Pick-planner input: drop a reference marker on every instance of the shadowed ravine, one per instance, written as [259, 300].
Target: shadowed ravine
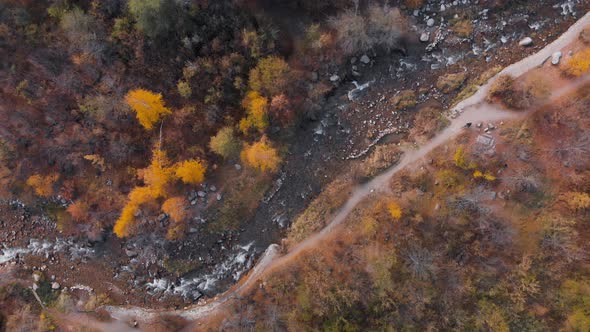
[474, 109]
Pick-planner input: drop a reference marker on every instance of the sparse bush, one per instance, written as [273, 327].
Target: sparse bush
[519, 95]
[504, 90]
[585, 35]
[184, 89]
[536, 88]
[427, 122]
[23, 320]
[352, 32]
[404, 99]
[461, 160]
[576, 201]
[414, 4]
[155, 18]
[101, 108]
[448, 178]
[473, 86]
[241, 199]
[577, 65]
[382, 157]
[383, 26]
[450, 82]
[313, 37]
[463, 28]
[225, 143]
[317, 214]
[83, 32]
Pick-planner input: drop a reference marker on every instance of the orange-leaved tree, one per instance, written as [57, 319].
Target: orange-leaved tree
[256, 110]
[174, 207]
[42, 184]
[148, 106]
[78, 210]
[262, 156]
[191, 171]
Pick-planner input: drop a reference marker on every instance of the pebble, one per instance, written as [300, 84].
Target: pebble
[430, 22]
[334, 78]
[555, 58]
[365, 59]
[527, 41]
[55, 285]
[238, 167]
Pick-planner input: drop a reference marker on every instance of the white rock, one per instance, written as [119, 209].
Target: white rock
[36, 277]
[424, 37]
[555, 58]
[55, 285]
[527, 41]
[430, 22]
[334, 78]
[365, 59]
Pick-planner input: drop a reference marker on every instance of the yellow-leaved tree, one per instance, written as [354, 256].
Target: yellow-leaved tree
[256, 110]
[395, 211]
[156, 177]
[191, 171]
[262, 156]
[270, 77]
[148, 106]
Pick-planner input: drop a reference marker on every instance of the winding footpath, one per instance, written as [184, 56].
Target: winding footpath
[473, 109]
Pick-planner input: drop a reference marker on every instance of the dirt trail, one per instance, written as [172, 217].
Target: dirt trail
[473, 109]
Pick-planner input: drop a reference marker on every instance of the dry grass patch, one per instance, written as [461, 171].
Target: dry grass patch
[318, 214]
